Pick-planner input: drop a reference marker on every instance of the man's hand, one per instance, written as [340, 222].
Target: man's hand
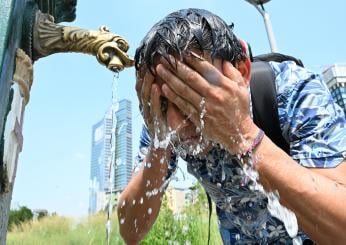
[149, 95]
[216, 102]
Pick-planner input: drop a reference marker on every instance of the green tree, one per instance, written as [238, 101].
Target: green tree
[163, 227]
[42, 214]
[20, 216]
[189, 227]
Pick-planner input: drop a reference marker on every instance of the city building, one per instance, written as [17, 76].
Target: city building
[111, 155]
[123, 156]
[335, 77]
[175, 199]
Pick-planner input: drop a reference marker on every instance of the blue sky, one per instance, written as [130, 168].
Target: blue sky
[71, 92]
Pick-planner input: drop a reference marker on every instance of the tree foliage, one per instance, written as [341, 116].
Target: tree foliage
[188, 227]
[19, 216]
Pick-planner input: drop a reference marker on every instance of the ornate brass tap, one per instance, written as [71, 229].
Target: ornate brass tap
[49, 38]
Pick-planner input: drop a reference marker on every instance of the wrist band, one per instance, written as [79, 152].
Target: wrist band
[258, 139]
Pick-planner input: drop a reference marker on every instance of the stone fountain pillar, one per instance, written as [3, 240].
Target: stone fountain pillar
[29, 30]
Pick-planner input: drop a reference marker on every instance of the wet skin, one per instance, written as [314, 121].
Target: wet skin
[186, 134]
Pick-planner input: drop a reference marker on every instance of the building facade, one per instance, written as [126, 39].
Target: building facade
[123, 150]
[176, 199]
[335, 77]
[111, 155]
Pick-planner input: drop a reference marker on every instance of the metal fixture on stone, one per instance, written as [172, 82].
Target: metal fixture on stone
[49, 38]
[30, 30]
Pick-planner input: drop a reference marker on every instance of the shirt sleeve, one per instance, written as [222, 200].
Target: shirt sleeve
[144, 143]
[310, 120]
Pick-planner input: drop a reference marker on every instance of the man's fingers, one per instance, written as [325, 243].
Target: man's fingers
[145, 97]
[184, 106]
[190, 77]
[207, 70]
[232, 73]
[146, 87]
[139, 82]
[143, 87]
[178, 86]
[156, 102]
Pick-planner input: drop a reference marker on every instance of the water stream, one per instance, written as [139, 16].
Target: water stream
[112, 160]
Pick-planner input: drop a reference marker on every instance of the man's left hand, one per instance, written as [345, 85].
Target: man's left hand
[216, 102]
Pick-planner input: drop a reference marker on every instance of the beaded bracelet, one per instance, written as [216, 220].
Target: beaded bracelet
[248, 153]
[257, 141]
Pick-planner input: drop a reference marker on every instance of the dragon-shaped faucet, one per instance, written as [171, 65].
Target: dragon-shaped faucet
[49, 38]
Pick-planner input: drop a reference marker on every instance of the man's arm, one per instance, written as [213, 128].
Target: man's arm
[316, 196]
[140, 202]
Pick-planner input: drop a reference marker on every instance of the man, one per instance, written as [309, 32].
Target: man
[193, 87]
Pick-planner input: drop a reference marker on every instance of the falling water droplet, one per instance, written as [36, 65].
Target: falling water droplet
[185, 229]
[223, 175]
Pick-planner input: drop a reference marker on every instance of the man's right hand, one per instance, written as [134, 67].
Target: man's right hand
[149, 95]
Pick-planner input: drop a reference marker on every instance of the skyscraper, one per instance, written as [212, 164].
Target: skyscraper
[123, 150]
[335, 77]
[103, 144]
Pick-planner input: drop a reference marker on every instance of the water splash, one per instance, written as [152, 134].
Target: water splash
[286, 216]
[203, 112]
[274, 207]
[112, 160]
[185, 229]
[282, 213]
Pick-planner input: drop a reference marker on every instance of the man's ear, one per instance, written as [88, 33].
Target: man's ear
[244, 66]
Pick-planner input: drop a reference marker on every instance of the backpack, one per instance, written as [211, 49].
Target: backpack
[264, 101]
[263, 96]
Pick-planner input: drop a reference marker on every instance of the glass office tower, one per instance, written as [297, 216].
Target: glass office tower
[103, 144]
[335, 77]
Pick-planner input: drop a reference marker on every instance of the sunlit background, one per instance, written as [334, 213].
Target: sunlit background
[72, 92]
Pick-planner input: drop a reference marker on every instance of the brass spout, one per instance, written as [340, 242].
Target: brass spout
[49, 38]
[115, 64]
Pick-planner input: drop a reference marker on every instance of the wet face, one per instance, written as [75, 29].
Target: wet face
[187, 139]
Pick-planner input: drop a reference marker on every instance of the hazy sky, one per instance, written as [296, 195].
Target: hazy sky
[71, 92]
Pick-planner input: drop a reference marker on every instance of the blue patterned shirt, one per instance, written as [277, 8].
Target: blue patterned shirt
[315, 128]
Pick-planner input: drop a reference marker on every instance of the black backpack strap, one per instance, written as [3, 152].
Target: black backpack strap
[278, 57]
[264, 103]
[210, 204]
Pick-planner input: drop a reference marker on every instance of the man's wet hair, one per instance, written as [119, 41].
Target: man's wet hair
[186, 30]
